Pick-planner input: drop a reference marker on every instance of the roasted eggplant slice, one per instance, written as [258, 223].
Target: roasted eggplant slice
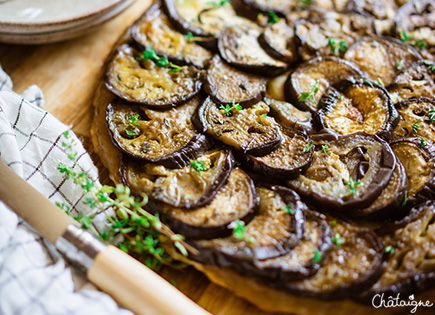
[331, 183]
[418, 159]
[418, 80]
[379, 9]
[410, 268]
[417, 118]
[279, 42]
[226, 84]
[236, 45]
[306, 258]
[288, 115]
[154, 30]
[390, 203]
[144, 82]
[276, 229]
[312, 78]
[415, 25]
[252, 8]
[332, 34]
[357, 106]
[352, 266]
[379, 57]
[190, 187]
[164, 137]
[237, 200]
[248, 130]
[292, 156]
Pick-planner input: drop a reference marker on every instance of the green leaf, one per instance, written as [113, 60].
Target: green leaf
[317, 256]
[197, 166]
[288, 209]
[308, 147]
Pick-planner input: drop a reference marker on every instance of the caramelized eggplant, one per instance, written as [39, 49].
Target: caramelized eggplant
[418, 159]
[164, 137]
[237, 200]
[226, 84]
[306, 258]
[417, 118]
[410, 268]
[154, 30]
[292, 156]
[379, 9]
[252, 8]
[236, 45]
[418, 80]
[272, 233]
[390, 203]
[352, 266]
[141, 81]
[357, 106]
[289, 116]
[379, 57]
[320, 73]
[332, 34]
[248, 130]
[415, 25]
[279, 42]
[331, 183]
[190, 187]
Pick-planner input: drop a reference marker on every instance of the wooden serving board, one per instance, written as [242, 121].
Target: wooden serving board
[68, 74]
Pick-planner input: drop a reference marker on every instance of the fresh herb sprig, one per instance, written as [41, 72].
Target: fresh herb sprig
[314, 88]
[213, 5]
[228, 109]
[423, 141]
[197, 166]
[430, 64]
[410, 40]
[415, 126]
[353, 185]
[337, 46]
[337, 239]
[304, 3]
[389, 250]
[324, 148]
[192, 38]
[273, 17]
[132, 123]
[430, 116]
[308, 147]
[239, 231]
[317, 256]
[141, 232]
[288, 209]
[162, 62]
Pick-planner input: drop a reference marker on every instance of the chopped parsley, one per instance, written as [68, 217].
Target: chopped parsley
[197, 166]
[239, 230]
[337, 47]
[132, 122]
[389, 250]
[337, 239]
[228, 108]
[162, 62]
[317, 256]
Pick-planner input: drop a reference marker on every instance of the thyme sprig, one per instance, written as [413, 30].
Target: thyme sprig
[410, 40]
[314, 88]
[430, 116]
[132, 123]
[162, 62]
[337, 46]
[288, 209]
[197, 166]
[415, 126]
[239, 231]
[228, 109]
[353, 185]
[141, 232]
[308, 147]
[324, 148]
[273, 17]
[423, 141]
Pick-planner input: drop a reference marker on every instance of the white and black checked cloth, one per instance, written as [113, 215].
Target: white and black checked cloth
[34, 278]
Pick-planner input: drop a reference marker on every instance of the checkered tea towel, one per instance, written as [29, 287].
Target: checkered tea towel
[34, 278]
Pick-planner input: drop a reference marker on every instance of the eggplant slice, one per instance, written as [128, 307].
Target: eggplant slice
[353, 265]
[418, 159]
[226, 84]
[289, 116]
[164, 137]
[417, 118]
[190, 187]
[321, 73]
[236, 45]
[390, 203]
[332, 34]
[237, 200]
[415, 25]
[278, 41]
[292, 156]
[357, 106]
[144, 82]
[418, 80]
[379, 9]
[248, 130]
[252, 8]
[154, 30]
[273, 232]
[379, 57]
[331, 181]
[410, 268]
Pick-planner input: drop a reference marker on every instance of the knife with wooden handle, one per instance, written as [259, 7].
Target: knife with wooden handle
[129, 282]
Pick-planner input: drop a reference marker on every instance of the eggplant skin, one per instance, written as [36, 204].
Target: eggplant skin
[371, 116]
[252, 8]
[326, 70]
[409, 268]
[287, 161]
[223, 210]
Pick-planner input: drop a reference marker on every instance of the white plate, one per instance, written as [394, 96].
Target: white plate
[37, 16]
[64, 34]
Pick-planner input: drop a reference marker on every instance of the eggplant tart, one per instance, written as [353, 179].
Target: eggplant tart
[290, 142]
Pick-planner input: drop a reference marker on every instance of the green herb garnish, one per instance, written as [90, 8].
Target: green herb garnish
[333, 223]
[337, 47]
[289, 210]
[353, 185]
[415, 126]
[213, 5]
[239, 230]
[423, 141]
[197, 166]
[369, 83]
[273, 17]
[191, 38]
[430, 116]
[400, 64]
[405, 199]
[228, 108]
[324, 148]
[132, 122]
[430, 64]
[162, 62]
[380, 82]
[410, 40]
[304, 3]
[314, 88]
[337, 239]
[317, 256]
[389, 250]
[308, 147]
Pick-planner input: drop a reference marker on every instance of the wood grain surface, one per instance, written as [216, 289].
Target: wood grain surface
[68, 74]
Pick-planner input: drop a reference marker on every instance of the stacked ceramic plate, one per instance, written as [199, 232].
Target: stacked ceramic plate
[48, 21]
